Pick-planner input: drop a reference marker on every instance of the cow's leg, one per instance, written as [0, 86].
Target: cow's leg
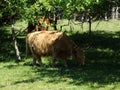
[64, 59]
[53, 59]
[40, 61]
[34, 61]
[38, 58]
[35, 57]
[64, 62]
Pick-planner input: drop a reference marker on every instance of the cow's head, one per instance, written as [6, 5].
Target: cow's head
[79, 56]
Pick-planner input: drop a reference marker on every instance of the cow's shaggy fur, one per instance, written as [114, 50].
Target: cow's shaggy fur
[55, 44]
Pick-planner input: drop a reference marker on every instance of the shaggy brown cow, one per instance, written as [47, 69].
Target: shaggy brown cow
[42, 24]
[55, 44]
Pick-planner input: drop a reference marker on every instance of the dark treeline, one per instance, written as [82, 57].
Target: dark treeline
[81, 10]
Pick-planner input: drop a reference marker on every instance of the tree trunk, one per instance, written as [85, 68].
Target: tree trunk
[71, 26]
[90, 23]
[75, 17]
[115, 13]
[106, 17]
[55, 20]
[15, 45]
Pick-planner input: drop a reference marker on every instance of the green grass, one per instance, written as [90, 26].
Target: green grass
[101, 70]
[89, 77]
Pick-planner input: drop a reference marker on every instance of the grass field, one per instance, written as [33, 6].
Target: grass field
[101, 70]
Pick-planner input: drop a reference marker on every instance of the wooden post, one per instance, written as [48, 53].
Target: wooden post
[71, 26]
[55, 19]
[113, 13]
[116, 13]
[90, 23]
[15, 45]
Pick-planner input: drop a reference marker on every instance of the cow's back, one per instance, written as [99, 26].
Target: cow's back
[42, 41]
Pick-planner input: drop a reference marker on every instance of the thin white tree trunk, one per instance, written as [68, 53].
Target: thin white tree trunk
[15, 45]
[113, 13]
[116, 13]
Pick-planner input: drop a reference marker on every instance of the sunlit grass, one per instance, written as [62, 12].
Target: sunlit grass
[26, 77]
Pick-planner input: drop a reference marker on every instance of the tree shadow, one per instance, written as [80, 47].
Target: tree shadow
[102, 74]
[5, 44]
[100, 46]
[7, 52]
[102, 59]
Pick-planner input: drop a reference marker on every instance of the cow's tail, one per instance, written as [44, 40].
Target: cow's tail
[27, 48]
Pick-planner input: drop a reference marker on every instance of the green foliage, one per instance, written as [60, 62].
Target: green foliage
[27, 10]
[11, 9]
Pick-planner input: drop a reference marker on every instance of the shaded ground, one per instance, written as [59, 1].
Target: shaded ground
[100, 46]
[94, 75]
[6, 43]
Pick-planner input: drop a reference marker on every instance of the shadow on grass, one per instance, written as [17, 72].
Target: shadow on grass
[100, 46]
[102, 74]
[5, 44]
[7, 52]
[102, 60]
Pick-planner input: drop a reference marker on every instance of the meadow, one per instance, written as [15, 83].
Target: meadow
[102, 64]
